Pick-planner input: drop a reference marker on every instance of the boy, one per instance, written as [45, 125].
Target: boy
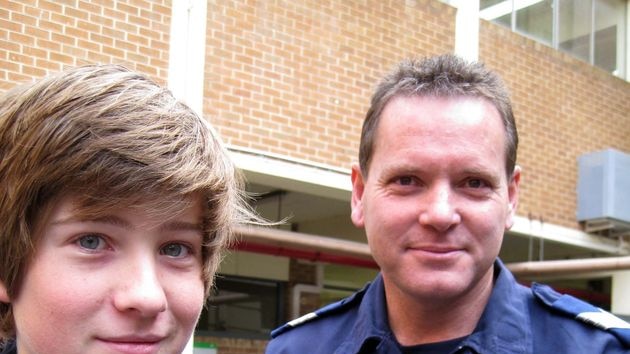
[116, 201]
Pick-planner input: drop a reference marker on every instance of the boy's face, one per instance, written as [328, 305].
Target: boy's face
[127, 282]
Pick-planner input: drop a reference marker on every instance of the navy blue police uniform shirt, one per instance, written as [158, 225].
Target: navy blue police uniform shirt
[517, 319]
[8, 348]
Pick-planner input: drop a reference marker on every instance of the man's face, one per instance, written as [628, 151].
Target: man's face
[127, 282]
[436, 201]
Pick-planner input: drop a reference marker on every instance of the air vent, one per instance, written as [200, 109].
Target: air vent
[603, 192]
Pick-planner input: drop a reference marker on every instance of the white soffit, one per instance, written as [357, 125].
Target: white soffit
[292, 174]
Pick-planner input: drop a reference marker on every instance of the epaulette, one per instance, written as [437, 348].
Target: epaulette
[584, 312]
[325, 311]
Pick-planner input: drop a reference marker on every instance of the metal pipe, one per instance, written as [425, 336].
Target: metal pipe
[569, 266]
[302, 241]
[333, 250]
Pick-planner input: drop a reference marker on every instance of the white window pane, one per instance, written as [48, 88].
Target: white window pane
[574, 30]
[536, 20]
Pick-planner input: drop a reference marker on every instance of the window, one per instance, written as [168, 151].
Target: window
[592, 30]
[536, 20]
[610, 35]
[575, 28]
[243, 307]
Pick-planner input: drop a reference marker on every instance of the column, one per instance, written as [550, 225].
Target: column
[621, 293]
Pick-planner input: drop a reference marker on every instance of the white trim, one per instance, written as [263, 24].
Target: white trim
[467, 29]
[505, 7]
[187, 52]
[603, 319]
[620, 293]
[626, 49]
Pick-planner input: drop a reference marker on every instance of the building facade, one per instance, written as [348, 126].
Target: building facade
[287, 84]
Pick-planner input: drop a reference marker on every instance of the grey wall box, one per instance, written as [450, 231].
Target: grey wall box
[603, 190]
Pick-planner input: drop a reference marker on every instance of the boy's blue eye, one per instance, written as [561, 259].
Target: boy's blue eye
[174, 250]
[91, 242]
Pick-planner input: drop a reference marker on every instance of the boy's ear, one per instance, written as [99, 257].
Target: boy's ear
[4, 295]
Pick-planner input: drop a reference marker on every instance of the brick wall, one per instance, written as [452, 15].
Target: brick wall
[564, 108]
[295, 77]
[39, 37]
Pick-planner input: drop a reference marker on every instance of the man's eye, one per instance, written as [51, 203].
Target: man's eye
[405, 181]
[175, 250]
[91, 242]
[476, 183]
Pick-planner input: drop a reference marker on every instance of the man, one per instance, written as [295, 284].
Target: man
[435, 189]
[116, 201]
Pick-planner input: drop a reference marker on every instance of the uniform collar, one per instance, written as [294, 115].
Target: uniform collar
[371, 328]
[504, 326]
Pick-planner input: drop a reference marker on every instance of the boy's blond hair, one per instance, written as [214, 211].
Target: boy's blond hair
[113, 138]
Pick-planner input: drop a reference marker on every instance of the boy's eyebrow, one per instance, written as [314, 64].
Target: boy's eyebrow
[173, 225]
[107, 219]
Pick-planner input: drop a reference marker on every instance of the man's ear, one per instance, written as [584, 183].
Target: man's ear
[4, 294]
[358, 186]
[513, 186]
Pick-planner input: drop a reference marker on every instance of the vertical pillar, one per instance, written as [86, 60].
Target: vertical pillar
[187, 51]
[186, 61]
[467, 29]
[621, 293]
[627, 44]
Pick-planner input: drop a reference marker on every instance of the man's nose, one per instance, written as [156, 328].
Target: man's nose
[439, 210]
[140, 289]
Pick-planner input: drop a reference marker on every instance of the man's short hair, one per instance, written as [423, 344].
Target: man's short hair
[441, 76]
[112, 138]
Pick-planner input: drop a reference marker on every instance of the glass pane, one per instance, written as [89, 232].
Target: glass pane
[610, 29]
[574, 28]
[499, 11]
[242, 305]
[487, 3]
[536, 20]
[505, 20]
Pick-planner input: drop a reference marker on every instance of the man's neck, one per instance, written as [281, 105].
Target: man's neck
[418, 321]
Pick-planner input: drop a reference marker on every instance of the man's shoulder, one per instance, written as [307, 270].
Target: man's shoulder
[322, 331]
[567, 311]
[8, 348]
[337, 312]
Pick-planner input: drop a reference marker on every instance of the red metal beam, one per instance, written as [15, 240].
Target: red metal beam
[314, 256]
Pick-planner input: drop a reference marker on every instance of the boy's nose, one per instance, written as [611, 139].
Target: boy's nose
[140, 290]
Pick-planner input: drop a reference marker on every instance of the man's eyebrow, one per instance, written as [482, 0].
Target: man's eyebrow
[402, 168]
[480, 170]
